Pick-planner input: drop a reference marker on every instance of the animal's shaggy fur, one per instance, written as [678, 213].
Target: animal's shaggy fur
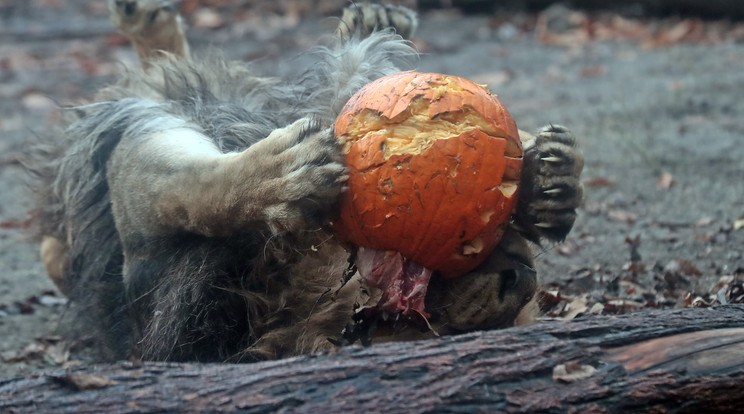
[184, 211]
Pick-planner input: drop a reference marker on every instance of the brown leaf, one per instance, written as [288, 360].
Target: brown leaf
[30, 352]
[592, 71]
[622, 216]
[36, 101]
[572, 371]
[596, 309]
[59, 353]
[622, 306]
[634, 267]
[739, 223]
[576, 307]
[207, 18]
[599, 182]
[494, 78]
[82, 382]
[15, 224]
[665, 181]
[688, 268]
[566, 249]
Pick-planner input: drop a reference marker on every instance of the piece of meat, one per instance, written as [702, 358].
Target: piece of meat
[403, 283]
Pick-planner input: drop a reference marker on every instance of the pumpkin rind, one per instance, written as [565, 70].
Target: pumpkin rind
[442, 198]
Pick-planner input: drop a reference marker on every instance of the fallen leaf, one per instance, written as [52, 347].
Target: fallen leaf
[549, 298]
[207, 18]
[596, 309]
[29, 352]
[494, 78]
[82, 382]
[15, 224]
[599, 182]
[52, 300]
[566, 249]
[572, 371]
[665, 181]
[622, 216]
[622, 306]
[689, 268]
[36, 101]
[634, 267]
[58, 353]
[576, 307]
[739, 223]
[592, 71]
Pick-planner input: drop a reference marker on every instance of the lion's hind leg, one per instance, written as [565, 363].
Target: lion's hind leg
[364, 18]
[153, 26]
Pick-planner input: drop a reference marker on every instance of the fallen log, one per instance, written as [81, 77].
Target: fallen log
[687, 360]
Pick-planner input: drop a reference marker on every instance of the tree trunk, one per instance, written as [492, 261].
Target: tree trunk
[688, 360]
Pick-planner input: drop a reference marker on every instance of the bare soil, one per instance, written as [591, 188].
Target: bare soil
[659, 117]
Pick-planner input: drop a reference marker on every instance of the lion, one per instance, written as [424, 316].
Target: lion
[184, 212]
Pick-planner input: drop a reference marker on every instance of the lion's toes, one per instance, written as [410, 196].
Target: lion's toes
[300, 171]
[550, 189]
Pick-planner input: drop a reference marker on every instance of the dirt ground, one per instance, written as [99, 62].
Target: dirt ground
[656, 106]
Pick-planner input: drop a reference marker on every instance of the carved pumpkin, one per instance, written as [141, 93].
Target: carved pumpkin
[434, 162]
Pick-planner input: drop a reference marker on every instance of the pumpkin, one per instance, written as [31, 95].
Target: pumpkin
[434, 161]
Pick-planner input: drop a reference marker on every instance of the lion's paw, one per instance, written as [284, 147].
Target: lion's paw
[550, 188]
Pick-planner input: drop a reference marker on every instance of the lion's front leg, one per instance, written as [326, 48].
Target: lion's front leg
[177, 180]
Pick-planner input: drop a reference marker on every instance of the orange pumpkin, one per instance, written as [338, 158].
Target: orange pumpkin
[434, 162]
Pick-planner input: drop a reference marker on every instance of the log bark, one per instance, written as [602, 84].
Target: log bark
[688, 360]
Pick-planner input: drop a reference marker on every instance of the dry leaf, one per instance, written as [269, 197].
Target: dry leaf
[622, 216]
[739, 223]
[592, 71]
[494, 78]
[36, 101]
[30, 352]
[597, 309]
[566, 249]
[15, 224]
[689, 268]
[572, 371]
[576, 307]
[622, 306]
[599, 182]
[82, 382]
[665, 181]
[207, 18]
